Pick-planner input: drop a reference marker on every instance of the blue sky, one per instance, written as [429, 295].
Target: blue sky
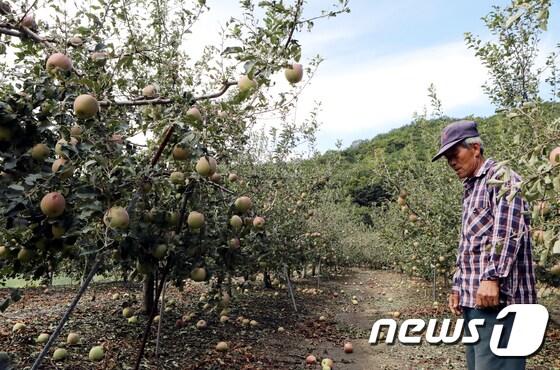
[381, 58]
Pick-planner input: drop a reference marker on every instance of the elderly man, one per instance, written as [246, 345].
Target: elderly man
[494, 261]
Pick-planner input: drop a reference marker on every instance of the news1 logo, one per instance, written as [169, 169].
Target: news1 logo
[526, 337]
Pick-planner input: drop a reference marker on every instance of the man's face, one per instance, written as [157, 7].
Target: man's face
[464, 161]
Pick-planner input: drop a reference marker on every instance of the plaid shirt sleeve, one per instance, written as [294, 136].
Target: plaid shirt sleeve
[509, 226]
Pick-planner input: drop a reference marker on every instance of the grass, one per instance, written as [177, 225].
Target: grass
[57, 281]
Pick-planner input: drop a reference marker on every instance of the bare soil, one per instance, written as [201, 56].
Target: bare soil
[98, 320]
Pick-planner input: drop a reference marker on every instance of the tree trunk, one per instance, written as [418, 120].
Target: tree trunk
[267, 281]
[148, 293]
[313, 270]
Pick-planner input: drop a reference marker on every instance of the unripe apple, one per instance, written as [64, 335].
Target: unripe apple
[554, 157]
[42, 338]
[232, 177]
[53, 204]
[180, 154]
[294, 73]
[348, 348]
[149, 91]
[73, 339]
[133, 320]
[195, 220]
[60, 143]
[327, 362]
[116, 218]
[59, 354]
[258, 223]
[159, 251]
[96, 353]
[194, 114]
[58, 62]
[68, 169]
[5, 134]
[198, 274]
[76, 131]
[206, 166]
[243, 204]
[222, 347]
[40, 151]
[18, 327]
[177, 178]
[4, 252]
[127, 312]
[86, 106]
[246, 84]
[236, 222]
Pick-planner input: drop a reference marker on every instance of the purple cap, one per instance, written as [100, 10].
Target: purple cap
[454, 133]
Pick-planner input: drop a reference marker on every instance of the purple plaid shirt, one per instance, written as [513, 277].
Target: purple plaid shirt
[495, 242]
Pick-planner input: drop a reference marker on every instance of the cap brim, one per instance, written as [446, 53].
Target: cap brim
[445, 148]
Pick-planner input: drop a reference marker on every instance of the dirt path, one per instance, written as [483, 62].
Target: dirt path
[379, 294]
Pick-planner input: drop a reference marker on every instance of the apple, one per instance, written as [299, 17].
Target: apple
[29, 21]
[327, 362]
[201, 324]
[311, 360]
[40, 151]
[156, 319]
[198, 274]
[159, 251]
[348, 348]
[76, 131]
[86, 106]
[149, 91]
[555, 270]
[194, 114]
[401, 201]
[243, 204]
[412, 217]
[58, 62]
[232, 177]
[99, 57]
[4, 251]
[195, 220]
[180, 153]
[206, 166]
[67, 168]
[396, 314]
[18, 327]
[246, 84]
[554, 157]
[133, 320]
[236, 222]
[96, 353]
[116, 218]
[216, 178]
[73, 339]
[59, 354]
[253, 323]
[322, 318]
[59, 146]
[177, 178]
[127, 312]
[42, 338]
[234, 243]
[294, 73]
[258, 223]
[53, 204]
[224, 319]
[75, 41]
[222, 347]
[281, 329]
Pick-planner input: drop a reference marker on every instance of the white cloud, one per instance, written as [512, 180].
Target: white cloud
[374, 93]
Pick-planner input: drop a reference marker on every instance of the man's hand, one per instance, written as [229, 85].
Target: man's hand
[488, 294]
[454, 303]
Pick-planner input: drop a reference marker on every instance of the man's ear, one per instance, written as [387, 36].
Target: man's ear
[476, 148]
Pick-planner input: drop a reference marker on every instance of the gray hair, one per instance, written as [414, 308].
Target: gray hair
[473, 140]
